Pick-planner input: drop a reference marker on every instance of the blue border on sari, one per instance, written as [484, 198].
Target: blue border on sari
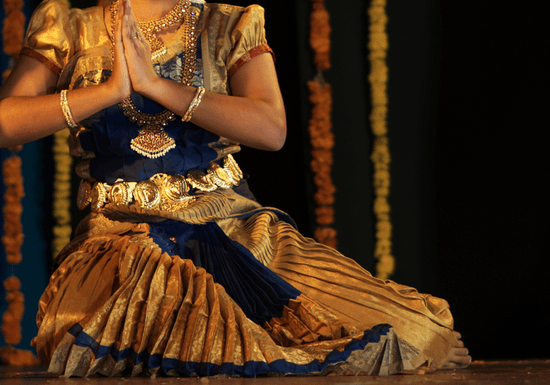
[249, 369]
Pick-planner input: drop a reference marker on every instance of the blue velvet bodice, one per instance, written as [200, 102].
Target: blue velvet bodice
[109, 132]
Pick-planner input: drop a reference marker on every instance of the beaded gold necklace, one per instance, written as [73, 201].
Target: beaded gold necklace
[151, 28]
[152, 141]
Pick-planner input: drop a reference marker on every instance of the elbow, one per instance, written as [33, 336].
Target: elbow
[278, 130]
[7, 137]
[277, 138]
[4, 139]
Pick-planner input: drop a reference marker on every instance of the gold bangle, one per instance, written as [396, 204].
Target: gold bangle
[194, 104]
[67, 110]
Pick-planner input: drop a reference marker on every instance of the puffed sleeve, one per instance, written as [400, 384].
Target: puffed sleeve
[247, 38]
[49, 37]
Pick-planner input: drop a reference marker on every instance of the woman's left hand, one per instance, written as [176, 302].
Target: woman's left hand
[137, 52]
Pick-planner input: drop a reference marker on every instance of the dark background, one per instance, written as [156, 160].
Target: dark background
[468, 98]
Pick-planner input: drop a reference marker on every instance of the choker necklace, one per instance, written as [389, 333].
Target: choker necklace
[151, 28]
[152, 141]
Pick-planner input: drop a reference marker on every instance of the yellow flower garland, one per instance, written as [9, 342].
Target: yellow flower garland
[378, 78]
[63, 162]
[62, 191]
[320, 126]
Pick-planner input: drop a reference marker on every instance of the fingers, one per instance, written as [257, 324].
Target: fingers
[117, 33]
[130, 22]
[119, 79]
[128, 11]
[132, 35]
[137, 51]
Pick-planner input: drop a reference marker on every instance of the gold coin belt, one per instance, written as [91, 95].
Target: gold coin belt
[161, 191]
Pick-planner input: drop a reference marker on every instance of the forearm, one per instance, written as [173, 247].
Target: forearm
[27, 118]
[254, 116]
[253, 122]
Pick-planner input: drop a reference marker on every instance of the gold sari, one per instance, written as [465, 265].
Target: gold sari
[222, 286]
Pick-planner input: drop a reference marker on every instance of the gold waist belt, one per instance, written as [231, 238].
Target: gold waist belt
[161, 191]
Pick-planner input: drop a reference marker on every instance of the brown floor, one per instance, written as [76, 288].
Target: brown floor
[485, 373]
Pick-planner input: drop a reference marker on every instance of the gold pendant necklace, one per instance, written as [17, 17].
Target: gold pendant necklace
[152, 141]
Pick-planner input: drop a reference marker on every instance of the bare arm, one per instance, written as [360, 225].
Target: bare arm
[29, 110]
[254, 115]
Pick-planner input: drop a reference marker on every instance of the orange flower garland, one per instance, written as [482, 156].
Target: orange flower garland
[320, 126]
[12, 239]
[11, 320]
[13, 229]
[378, 78]
[319, 35]
[14, 27]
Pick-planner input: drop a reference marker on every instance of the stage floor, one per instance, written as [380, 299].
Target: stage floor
[484, 373]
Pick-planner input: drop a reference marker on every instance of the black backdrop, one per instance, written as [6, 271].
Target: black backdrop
[468, 93]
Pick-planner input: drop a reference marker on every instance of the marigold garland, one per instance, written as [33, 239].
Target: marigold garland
[14, 27]
[12, 210]
[11, 320]
[319, 36]
[320, 126]
[378, 78]
[12, 34]
[13, 240]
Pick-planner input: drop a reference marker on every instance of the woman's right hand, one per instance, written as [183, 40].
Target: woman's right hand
[30, 109]
[120, 81]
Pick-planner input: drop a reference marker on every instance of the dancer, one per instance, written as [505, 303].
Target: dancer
[177, 270]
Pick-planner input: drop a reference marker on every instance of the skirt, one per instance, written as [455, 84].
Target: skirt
[226, 288]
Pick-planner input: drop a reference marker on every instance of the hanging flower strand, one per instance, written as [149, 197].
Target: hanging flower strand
[12, 210]
[12, 241]
[12, 33]
[320, 126]
[61, 191]
[378, 78]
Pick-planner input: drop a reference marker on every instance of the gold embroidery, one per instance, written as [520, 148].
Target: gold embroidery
[152, 141]
[150, 28]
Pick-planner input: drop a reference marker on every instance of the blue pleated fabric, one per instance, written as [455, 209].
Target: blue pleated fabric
[109, 134]
[258, 292]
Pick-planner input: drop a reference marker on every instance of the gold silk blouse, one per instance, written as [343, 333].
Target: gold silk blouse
[75, 42]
